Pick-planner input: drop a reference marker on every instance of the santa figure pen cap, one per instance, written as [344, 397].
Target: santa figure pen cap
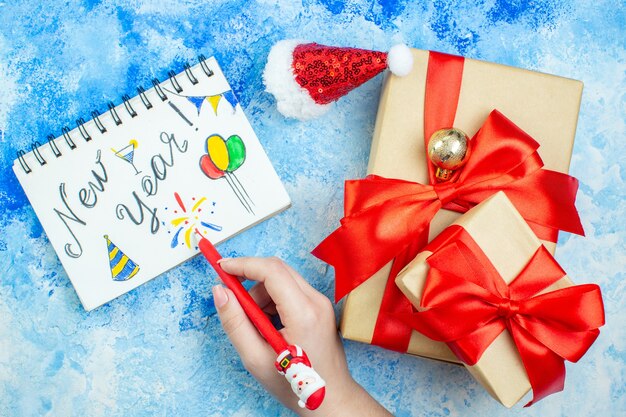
[306, 78]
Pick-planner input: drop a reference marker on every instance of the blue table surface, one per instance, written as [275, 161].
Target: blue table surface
[160, 350]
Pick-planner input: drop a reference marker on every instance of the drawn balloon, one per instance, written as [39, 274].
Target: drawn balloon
[222, 159]
[236, 153]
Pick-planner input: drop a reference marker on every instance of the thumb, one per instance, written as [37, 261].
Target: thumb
[254, 351]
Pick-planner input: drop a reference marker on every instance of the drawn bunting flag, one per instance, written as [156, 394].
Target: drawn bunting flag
[214, 100]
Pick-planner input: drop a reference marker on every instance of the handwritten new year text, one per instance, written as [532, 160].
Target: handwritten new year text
[137, 211]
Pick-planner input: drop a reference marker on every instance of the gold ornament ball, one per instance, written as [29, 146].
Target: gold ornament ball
[448, 149]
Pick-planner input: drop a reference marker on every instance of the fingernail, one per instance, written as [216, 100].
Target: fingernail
[220, 298]
[224, 260]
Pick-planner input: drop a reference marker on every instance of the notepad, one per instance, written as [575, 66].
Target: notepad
[123, 196]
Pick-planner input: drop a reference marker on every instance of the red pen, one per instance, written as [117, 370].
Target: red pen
[292, 361]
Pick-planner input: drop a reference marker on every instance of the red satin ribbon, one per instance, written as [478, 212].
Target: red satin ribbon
[469, 304]
[444, 76]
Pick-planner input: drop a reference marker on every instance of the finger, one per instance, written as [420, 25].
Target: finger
[303, 283]
[250, 345]
[277, 279]
[270, 310]
[260, 296]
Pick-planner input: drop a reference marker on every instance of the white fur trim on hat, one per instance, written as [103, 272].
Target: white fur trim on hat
[291, 99]
[400, 60]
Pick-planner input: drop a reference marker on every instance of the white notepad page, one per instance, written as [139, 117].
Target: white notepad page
[122, 207]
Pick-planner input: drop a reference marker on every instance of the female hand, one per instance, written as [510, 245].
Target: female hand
[309, 321]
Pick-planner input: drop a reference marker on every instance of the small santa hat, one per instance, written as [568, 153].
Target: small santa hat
[314, 398]
[306, 78]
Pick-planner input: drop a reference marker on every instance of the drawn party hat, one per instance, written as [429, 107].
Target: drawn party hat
[122, 267]
[306, 78]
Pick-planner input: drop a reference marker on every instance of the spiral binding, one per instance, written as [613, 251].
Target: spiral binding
[20, 157]
[95, 114]
[144, 99]
[80, 123]
[174, 81]
[189, 74]
[129, 107]
[53, 145]
[158, 89]
[68, 138]
[204, 66]
[35, 149]
[114, 115]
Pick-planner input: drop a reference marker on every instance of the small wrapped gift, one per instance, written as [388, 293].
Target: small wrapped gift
[522, 124]
[489, 288]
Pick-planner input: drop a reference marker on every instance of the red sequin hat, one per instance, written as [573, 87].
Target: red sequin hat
[306, 78]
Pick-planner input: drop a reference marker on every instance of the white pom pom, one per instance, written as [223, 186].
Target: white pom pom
[400, 60]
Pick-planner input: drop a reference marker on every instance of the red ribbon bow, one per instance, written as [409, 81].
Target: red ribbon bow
[383, 216]
[469, 304]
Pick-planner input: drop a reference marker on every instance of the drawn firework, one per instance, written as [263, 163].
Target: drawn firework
[189, 221]
[222, 159]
